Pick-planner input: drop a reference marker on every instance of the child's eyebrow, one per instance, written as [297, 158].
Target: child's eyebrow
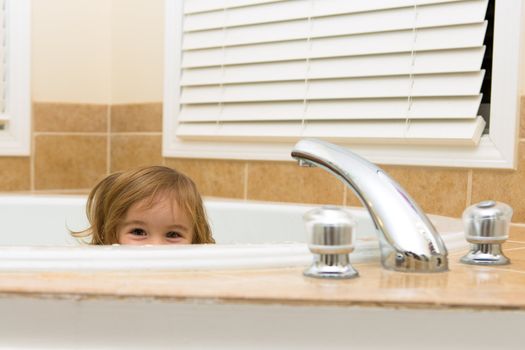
[180, 227]
[133, 222]
[139, 222]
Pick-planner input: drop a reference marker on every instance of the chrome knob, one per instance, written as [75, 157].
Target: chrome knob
[486, 227]
[330, 238]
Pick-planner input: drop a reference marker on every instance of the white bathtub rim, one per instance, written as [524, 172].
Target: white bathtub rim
[219, 256]
[154, 258]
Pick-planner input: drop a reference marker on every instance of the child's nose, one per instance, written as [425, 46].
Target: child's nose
[157, 240]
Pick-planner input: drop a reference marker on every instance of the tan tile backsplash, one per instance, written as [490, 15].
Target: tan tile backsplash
[69, 117]
[287, 182]
[216, 178]
[436, 190]
[128, 151]
[522, 118]
[74, 145]
[69, 161]
[144, 117]
[15, 173]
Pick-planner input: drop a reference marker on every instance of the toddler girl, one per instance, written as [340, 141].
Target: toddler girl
[147, 205]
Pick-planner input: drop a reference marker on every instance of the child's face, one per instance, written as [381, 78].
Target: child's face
[161, 223]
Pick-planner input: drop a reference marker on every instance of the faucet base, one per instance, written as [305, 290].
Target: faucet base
[485, 254]
[410, 262]
[333, 266]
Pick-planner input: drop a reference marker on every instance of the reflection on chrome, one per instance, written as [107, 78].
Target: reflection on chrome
[409, 241]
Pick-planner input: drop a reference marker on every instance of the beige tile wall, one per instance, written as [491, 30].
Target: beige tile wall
[75, 145]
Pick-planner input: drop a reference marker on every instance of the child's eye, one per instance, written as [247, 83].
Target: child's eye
[138, 232]
[173, 234]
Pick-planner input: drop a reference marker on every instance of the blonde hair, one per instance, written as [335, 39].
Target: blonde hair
[112, 197]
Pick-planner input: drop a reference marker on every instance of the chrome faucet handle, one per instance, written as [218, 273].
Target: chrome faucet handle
[486, 227]
[330, 238]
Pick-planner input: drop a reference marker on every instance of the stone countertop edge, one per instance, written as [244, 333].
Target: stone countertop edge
[463, 287]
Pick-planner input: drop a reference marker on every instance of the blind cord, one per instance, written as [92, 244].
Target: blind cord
[411, 73]
[307, 71]
[223, 50]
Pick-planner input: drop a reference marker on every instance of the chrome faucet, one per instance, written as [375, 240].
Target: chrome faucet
[408, 240]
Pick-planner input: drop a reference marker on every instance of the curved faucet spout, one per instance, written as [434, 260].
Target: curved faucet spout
[409, 241]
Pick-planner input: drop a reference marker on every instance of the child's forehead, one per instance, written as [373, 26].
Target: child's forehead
[160, 197]
[157, 211]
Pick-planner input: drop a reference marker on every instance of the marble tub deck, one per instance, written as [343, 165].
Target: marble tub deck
[463, 287]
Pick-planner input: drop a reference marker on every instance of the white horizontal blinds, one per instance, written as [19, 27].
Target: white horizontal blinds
[395, 71]
[3, 63]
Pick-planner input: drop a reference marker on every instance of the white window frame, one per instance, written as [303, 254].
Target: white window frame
[498, 149]
[15, 138]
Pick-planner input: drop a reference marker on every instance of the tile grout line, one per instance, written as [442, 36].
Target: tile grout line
[138, 133]
[53, 133]
[108, 140]
[32, 157]
[62, 191]
[98, 133]
[109, 101]
[245, 189]
[469, 187]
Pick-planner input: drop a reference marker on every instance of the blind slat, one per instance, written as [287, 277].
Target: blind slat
[195, 6]
[446, 61]
[279, 11]
[397, 86]
[334, 7]
[458, 132]
[329, 7]
[396, 108]
[292, 10]
[442, 38]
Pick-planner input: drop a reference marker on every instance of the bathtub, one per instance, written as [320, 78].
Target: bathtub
[53, 315]
[35, 236]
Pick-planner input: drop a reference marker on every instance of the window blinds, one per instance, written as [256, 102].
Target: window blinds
[3, 70]
[15, 77]
[381, 71]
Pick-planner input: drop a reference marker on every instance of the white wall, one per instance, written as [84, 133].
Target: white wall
[71, 51]
[522, 68]
[137, 31]
[97, 51]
